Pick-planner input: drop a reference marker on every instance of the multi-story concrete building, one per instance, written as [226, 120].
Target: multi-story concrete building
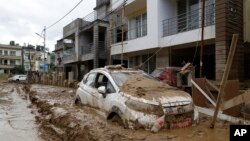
[34, 59]
[29, 58]
[84, 43]
[160, 33]
[10, 56]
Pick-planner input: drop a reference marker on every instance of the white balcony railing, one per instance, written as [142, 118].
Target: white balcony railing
[188, 21]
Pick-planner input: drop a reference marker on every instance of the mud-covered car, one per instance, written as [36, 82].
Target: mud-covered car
[136, 98]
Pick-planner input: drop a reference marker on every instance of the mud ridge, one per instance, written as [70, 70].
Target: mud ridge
[61, 123]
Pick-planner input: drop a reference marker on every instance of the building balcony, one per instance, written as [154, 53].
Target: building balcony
[69, 56]
[58, 46]
[8, 66]
[101, 3]
[82, 23]
[13, 57]
[93, 16]
[188, 21]
[61, 45]
[88, 50]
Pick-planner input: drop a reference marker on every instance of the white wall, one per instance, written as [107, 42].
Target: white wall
[162, 58]
[18, 52]
[187, 37]
[116, 3]
[157, 11]
[167, 9]
[145, 42]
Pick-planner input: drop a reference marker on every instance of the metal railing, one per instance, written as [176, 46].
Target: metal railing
[8, 64]
[59, 45]
[10, 55]
[93, 16]
[89, 48]
[129, 33]
[102, 47]
[69, 54]
[188, 21]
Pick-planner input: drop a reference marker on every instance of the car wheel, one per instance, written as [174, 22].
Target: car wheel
[116, 119]
[17, 80]
[77, 101]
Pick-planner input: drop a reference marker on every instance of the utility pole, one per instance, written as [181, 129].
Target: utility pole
[44, 39]
[110, 39]
[123, 9]
[202, 36]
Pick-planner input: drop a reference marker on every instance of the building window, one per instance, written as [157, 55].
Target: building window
[12, 62]
[138, 26]
[1, 52]
[146, 62]
[6, 52]
[12, 53]
[5, 62]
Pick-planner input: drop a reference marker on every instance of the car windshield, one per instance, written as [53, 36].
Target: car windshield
[121, 77]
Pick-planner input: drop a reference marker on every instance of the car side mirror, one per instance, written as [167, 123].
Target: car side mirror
[102, 90]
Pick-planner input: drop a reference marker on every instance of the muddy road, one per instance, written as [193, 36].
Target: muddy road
[59, 119]
[16, 121]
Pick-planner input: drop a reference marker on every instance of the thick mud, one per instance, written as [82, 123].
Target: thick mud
[150, 89]
[60, 119]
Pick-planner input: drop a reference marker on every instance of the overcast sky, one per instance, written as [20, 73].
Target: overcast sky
[21, 19]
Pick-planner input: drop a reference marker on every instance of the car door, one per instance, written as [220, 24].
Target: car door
[88, 90]
[105, 100]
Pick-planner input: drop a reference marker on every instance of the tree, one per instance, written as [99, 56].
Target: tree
[18, 70]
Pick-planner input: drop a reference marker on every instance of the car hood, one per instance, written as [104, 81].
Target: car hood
[155, 91]
[166, 99]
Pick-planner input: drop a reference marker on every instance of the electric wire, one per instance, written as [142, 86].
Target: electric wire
[64, 15]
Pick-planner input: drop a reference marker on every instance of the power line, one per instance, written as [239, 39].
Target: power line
[65, 15]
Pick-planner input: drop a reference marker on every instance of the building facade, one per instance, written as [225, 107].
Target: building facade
[84, 43]
[161, 33]
[35, 59]
[10, 57]
[247, 37]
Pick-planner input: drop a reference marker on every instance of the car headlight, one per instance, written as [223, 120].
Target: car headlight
[145, 107]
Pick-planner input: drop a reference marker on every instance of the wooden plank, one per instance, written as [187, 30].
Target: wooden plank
[231, 91]
[198, 98]
[236, 100]
[225, 76]
[202, 92]
[221, 116]
[212, 85]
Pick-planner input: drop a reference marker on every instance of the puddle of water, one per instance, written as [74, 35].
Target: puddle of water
[16, 121]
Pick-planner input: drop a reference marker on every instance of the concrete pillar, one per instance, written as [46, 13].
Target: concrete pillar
[95, 44]
[108, 44]
[71, 76]
[77, 45]
[225, 28]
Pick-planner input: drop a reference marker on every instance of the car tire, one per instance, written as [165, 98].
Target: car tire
[17, 80]
[117, 119]
[77, 101]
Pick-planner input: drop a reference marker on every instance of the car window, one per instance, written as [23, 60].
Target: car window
[84, 80]
[121, 77]
[91, 80]
[102, 80]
